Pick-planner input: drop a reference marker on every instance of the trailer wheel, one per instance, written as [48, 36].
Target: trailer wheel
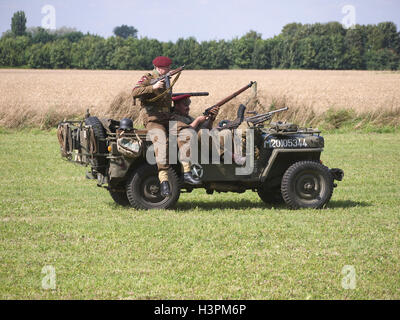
[307, 184]
[143, 188]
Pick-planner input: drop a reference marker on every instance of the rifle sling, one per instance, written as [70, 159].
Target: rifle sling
[165, 92]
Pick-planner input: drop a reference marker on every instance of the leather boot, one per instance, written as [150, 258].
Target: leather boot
[165, 190]
[189, 179]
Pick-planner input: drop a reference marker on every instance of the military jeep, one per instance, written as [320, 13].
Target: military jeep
[284, 161]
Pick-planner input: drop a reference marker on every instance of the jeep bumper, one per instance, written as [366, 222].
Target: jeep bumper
[337, 174]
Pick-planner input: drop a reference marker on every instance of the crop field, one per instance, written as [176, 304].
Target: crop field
[55, 224]
[41, 98]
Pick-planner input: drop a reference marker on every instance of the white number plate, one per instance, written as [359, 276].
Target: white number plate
[288, 143]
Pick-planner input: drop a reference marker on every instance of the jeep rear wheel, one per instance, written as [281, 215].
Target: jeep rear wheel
[143, 189]
[307, 184]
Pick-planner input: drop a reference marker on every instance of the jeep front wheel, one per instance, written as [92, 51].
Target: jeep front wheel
[143, 189]
[307, 184]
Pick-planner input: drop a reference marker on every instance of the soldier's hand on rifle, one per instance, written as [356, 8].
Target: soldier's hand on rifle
[159, 85]
[201, 119]
[214, 111]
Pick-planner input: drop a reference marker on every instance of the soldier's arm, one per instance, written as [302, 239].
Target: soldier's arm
[207, 124]
[142, 87]
[198, 121]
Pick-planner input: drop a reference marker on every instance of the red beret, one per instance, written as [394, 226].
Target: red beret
[162, 61]
[181, 97]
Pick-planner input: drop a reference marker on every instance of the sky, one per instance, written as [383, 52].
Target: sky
[170, 20]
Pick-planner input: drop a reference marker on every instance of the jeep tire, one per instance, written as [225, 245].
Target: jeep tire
[143, 188]
[307, 184]
[99, 163]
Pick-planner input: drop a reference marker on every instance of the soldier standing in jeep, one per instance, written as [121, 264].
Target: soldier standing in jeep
[157, 115]
[157, 105]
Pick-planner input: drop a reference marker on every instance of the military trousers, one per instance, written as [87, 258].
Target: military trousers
[157, 128]
[183, 136]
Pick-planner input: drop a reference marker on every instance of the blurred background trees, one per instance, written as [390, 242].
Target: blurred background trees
[326, 46]
[125, 31]
[18, 23]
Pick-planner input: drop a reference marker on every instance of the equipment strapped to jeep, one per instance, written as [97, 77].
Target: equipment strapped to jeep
[126, 124]
[130, 147]
[284, 126]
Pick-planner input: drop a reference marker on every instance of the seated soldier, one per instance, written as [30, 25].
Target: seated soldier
[184, 121]
[181, 114]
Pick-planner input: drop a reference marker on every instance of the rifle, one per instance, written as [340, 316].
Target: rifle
[193, 94]
[255, 120]
[167, 77]
[227, 99]
[260, 118]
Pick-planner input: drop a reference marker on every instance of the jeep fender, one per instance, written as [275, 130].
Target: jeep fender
[281, 159]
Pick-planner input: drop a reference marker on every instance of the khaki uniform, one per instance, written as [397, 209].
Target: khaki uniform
[156, 116]
[185, 121]
[182, 122]
[145, 92]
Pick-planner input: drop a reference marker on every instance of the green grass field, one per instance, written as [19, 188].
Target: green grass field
[225, 246]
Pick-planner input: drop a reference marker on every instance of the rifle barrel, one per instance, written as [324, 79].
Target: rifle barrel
[193, 94]
[264, 116]
[233, 95]
[229, 98]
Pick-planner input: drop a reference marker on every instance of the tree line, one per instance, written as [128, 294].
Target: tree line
[326, 46]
